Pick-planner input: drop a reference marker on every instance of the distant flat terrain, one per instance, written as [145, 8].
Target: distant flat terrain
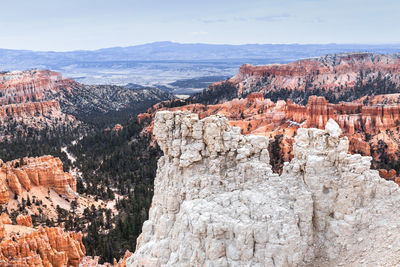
[168, 65]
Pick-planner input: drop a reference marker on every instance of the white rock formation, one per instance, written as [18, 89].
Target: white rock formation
[217, 202]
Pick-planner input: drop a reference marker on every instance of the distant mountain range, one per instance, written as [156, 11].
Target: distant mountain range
[165, 51]
[162, 63]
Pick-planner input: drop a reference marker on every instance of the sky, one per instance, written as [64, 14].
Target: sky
[92, 24]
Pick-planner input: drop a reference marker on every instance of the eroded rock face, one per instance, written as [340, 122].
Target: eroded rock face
[89, 261]
[217, 203]
[23, 174]
[365, 126]
[36, 86]
[353, 207]
[41, 247]
[26, 86]
[29, 109]
[45, 100]
[342, 77]
[25, 220]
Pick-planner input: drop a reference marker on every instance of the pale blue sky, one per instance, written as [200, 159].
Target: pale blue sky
[92, 24]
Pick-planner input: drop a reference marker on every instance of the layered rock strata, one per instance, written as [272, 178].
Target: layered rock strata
[37, 86]
[30, 86]
[26, 246]
[21, 175]
[44, 108]
[264, 115]
[365, 126]
[341, 77]
[217, 202]
[41, 100]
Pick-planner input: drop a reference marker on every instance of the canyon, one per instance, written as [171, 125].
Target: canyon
[244, 180]
[44, 113]
[217, 201]
[43, 100]
[368, 127]
[37, 187]
[360, 91]
[341, 77]
[29, 86]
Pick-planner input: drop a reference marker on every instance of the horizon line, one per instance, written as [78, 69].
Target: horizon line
[198, 43]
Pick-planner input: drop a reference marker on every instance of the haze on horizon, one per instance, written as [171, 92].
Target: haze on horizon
[46, 25]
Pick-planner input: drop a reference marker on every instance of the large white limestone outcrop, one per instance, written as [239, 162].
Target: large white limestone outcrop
[217, 203]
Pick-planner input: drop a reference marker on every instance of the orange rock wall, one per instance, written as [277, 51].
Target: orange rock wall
[335, 73]
[29, 109]
[30, 86]
[42, 247]
[257, 115]
[42, 171]
[25, 220]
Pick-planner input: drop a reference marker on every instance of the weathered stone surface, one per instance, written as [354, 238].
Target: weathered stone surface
[4, 194]
[22, 174]
[28, 86]
[36, 90]
[13, 182]
[24, 220]
[44, 108]
[217, 203]
[42, 247]
[22, 178]
[334, 75]
[89, 261]
[365, 126]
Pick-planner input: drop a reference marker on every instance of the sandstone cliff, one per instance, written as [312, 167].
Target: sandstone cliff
[43, 85]
[36, 100]
[21, 175]
[27, 119]
[340, 77]
[25, 246]
[29, 109]
[366, 126]
[29, 86]
[217, 202]
[24, 220]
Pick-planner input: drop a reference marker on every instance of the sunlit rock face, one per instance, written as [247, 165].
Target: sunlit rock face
[217, 202]
[23, 245]
[342, 77]
[18, 176]
[366, 126]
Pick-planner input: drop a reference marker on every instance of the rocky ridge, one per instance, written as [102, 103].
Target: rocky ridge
[343, 77]
[366, 126]
[44, 108]
[217, 201]
[32, 117]
[22, 175]
[35, 100]
[43, 85]
[25, 220]
[23, 245]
